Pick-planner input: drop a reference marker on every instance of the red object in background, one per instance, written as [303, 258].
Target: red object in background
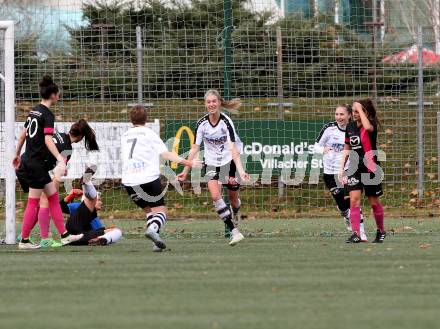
[410, 56]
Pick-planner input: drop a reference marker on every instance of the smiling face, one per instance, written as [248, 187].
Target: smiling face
[356, 116]
[342, 116]
[212, 104]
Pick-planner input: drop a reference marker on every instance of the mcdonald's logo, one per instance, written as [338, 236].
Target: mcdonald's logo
[176, 142]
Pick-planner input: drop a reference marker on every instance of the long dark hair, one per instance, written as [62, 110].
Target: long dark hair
[48, 87]
[82, 128]
[370, 110]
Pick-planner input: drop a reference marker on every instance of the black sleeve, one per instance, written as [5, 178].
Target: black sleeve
[49, 123]
[26, 123]
[230, 128]
[347, 138]
[64, 206]
[321, 133]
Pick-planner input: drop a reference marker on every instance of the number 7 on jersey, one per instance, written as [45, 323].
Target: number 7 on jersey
[133, 141]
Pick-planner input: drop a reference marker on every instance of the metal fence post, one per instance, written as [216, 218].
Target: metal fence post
[280, 93]
[139, 63]
[227, 48]
[420, 152]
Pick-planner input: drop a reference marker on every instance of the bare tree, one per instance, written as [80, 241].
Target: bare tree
[417, 12]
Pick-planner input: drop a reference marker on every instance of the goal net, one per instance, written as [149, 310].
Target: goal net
[290, 62]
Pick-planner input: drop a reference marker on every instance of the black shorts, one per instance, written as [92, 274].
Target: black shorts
[226, 174]
[32, 174]
[331, 184]
[147, 195]
[79, 223]
[359, 181]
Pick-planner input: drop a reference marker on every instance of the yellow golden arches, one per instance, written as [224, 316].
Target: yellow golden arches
[176, 142]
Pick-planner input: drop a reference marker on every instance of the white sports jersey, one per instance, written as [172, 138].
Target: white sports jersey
[216, 139]
[333, 136]
[141, 148]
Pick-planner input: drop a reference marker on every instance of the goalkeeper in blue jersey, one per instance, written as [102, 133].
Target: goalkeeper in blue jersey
[83, 217]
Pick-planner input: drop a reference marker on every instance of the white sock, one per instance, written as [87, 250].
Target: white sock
[113, 236]
[89, 191]
[157, 221]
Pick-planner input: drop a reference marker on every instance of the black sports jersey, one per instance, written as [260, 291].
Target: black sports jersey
[40, 122]
[64, 146]
[362, 141]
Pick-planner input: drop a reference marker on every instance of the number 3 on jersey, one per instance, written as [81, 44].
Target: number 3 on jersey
[31, 127]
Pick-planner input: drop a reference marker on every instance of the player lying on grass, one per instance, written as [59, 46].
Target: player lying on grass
[364, 171]
[37, 133]
[78, 131]
[83, 216]
[330, 143]
[222, 158]
[141, 152]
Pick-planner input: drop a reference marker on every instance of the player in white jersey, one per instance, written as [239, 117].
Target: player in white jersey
[221, 158]
[330, 143]
[141, 150]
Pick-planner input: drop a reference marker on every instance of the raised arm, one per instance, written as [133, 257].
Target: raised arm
[364, 119]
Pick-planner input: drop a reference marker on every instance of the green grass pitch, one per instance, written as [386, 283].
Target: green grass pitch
[286, 274]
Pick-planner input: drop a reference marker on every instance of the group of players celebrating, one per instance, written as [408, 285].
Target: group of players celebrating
[47, 153]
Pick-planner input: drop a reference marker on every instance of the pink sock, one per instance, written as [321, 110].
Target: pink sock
[56, 213]
[44, 222]
[378, 216]
[30, 217]
[355, 219]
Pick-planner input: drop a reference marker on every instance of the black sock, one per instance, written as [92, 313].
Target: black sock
[25, 240]
[65, 235]
[228, 222]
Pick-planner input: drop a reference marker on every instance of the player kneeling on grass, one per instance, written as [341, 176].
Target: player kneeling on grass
[78, 131]
[84, 217]
[141, 151]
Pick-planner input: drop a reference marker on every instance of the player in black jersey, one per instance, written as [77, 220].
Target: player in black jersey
[37, 133]
[78, 131]
[330, 143]
[364, 172]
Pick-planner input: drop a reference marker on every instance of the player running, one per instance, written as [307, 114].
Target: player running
[83, 216]
[222, 158]
[364, 173]
[37, 133]
[141, 151]
[78, 131]
[330, 143]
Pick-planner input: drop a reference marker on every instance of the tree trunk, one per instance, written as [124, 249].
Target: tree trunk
[382, 19]
[435, 21]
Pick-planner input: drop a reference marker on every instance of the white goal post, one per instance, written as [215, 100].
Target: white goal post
[9, 125]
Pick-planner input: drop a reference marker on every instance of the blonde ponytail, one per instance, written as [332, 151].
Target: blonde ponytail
[231, 105]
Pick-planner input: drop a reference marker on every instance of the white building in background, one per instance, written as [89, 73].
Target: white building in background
[46, 20]
[273, 6]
